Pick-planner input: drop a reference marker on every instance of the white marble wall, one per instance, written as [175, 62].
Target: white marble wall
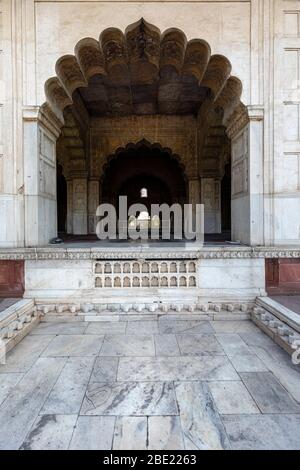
[75, 281]
[284, 212]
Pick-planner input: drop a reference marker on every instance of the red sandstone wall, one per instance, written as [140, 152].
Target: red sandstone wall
[283, 276]
[11, 278]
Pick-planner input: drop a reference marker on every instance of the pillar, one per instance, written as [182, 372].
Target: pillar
[211, 198]
[80, 212]
[69, 206]
[93, 203]
[41, 130]
[247, 218]
[194, 195]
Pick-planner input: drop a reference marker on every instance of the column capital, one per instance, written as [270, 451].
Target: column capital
[44, 116]
[237, 122]
[256, 113]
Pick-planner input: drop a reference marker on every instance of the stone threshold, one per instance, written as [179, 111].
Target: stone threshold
[147, 251]
[278, 322]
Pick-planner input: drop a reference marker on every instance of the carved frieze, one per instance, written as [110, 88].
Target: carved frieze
[56, 253]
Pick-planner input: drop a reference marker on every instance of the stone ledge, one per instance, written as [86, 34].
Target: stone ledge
[277, 322]
[169, 253]
[115, 311]
[280, 311]
[17, 321]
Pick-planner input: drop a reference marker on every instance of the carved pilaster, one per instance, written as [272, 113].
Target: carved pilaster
[93, 202]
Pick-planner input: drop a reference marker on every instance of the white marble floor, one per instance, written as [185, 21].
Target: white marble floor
[170, 382]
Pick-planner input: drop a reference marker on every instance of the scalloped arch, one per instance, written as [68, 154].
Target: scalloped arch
[153, 73]
[139, 144]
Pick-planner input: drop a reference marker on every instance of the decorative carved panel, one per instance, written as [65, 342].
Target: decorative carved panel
[47, 165]
[142, 274]
[177, 133]
[240, 163]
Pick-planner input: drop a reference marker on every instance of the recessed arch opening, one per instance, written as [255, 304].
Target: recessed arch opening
[161, 80]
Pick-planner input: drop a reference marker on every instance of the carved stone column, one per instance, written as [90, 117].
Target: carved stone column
[211, 198]
[194, 191]
[70, 206]
[41, 130]
[93, 202]
[80, 208]
[194, 195]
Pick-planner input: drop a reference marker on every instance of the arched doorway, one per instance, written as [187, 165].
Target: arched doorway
[226, 200]
[146, 174]
[133, 86]
[144, 166]
[61, 186]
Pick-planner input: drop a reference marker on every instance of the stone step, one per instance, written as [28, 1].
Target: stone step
[278, 322]
[111, 311]
[17, 321]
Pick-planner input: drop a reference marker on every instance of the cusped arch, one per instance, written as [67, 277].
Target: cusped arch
[134, 163]
[153, 73]
[139, 145]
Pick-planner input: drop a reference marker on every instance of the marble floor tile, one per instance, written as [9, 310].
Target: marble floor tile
[247, 363]
[123, 345]
[130, 433]
[105, 369]
[263, 432]
[50, 432]
[68, 392]
[60, 328]
[199, 345]
[184, 316]
[7, 383]
[164, 433]
[74, 345]
[234, 326]
[93, 433]
[138, 317]
[176, 368]
[233, 344]
[201, 425]
[257, 338]
[142, 328]
[129, 398]
[166, 345]
[23, 356]
[102, 328]
[167, 326]
[269, 394]
[20, 409]
[232, 398]
[279, 362]
[228, 374]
